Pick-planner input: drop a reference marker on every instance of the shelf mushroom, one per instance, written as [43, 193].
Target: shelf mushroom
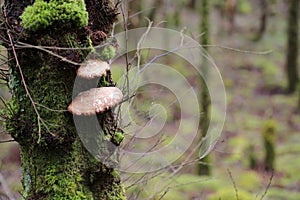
[95, 100]
[92, 69]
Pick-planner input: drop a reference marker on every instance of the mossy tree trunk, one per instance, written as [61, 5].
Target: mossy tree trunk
[292, 45]
[55, 164]
[204, 168]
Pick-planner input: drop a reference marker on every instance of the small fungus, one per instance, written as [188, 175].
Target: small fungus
[95, 100]
[92, 69]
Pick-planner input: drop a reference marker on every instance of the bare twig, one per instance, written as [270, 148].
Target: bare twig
[239, 50]
[48, 51]
[126, 47]
[234, 184]
[50, 109]
[268, 186]
[40, 120]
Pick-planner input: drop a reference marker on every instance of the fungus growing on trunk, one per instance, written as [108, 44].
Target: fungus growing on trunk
[92, 69]
[95, 100]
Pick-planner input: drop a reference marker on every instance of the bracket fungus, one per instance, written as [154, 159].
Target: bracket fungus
[92, 69]
[95, 100]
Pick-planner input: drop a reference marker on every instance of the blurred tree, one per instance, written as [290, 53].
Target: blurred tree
[230, 10]
[172, 15]
[252, 157]
[55, 164]
[292, 46]
[298, 98]
[192, 4]
[153, 12]
[204, 169]
[264, 11]
[269, 139]
[136, 13]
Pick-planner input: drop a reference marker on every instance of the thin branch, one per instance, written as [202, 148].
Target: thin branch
[40, 120]
[126, 47]
[234, 184]
[26, 45]
[50, 109]
[48, 51]
[268, 186]
[239, 50]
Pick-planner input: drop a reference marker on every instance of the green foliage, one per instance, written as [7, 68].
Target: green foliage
[44, 14]
[244, 6]
[239, 145]
[270, 70]
[107, 53]
[280, 194]
[229, 194]
[249, 180]
[180, 187]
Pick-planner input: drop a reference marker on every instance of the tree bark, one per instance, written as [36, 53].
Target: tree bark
[292, 46]
[204, 169]
[55, 163]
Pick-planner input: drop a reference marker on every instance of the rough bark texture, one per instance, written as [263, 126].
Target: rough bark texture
[292, 46]
[204, 169]
[55, 164]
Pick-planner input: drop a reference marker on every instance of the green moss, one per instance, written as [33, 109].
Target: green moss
[61, 170]
[107, 53]
[44, 14]
[118, 138]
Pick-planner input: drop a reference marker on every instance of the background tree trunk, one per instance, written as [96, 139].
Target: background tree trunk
[192, 4]
[263, 19]
[204, 169]
[292, 46]
[55, 164]
[136, 13]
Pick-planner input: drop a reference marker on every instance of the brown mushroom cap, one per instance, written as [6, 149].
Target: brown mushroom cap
[93, 69]
[95, 100]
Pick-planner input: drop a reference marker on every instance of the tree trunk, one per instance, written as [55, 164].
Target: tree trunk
[55, 163]
[292, 46]
[263, 19]
[192, 4]
[136, 13]
[204, 169]
[153, 12]
[298, 110]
